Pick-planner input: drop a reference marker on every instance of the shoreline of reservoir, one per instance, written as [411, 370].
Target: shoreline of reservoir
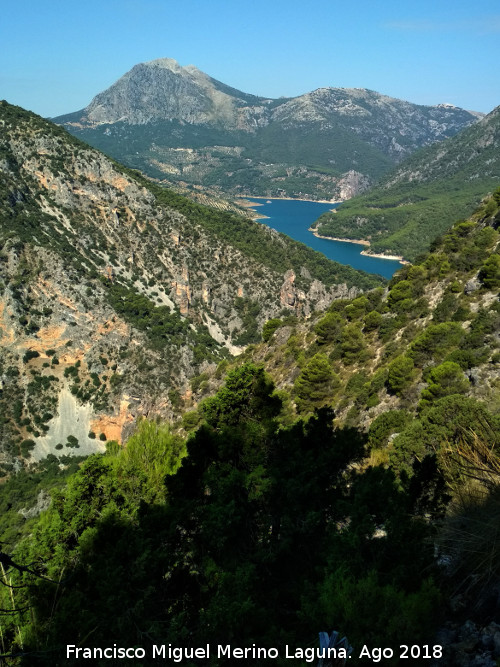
[313, 201]
[366, 253]
[398, 258]
[294, 217]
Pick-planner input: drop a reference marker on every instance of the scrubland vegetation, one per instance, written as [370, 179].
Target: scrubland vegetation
[339, 464]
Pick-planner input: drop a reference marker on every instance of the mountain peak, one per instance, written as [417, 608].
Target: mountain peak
[172, 65]
[166, 63]
[166, 107]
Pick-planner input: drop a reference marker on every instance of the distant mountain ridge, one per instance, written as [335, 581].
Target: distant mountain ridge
[179, 123]
[163, 90]
[421, 197]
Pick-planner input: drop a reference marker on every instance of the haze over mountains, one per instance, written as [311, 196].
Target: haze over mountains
[178, 123]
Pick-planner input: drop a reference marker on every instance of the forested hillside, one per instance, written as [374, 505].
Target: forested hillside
[343, 475]
[425, 194]
[116, 292]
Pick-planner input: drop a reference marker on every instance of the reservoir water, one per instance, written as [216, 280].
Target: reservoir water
[294, 217]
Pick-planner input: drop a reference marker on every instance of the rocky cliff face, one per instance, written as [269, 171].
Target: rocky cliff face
[116, 292]
[163, 90]
[178, 123]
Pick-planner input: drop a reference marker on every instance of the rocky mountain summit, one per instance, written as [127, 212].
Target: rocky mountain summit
[163, 90]
[116, 292]
[179, 123]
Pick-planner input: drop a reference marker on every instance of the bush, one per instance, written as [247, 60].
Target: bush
[152, 450]
[445, 380]
[372, 320]
[313, 387]
[30, 354]
[26, 447]
[401, 292]
[191, 420]
[435, 342]
[269, 328]
[390, 325]
[357, 308]
[199, 382]
[72, 442]
[329, 328]
[353, 345]
[402, 618]
[489, 274]
[385, 425]
[445, 422]
[400, 374]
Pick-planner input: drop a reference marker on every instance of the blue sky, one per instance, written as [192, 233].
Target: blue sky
[55, 56]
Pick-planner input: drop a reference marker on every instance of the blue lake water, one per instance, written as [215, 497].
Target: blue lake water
[293, 217]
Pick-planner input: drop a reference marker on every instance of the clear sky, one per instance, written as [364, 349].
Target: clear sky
[55, 56]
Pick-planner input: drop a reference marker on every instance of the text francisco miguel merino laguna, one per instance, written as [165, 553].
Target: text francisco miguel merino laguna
[177, 654]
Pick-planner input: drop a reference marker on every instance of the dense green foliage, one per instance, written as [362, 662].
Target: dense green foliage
[20, 492]
[401, 221]
[270, 327]
[262, 535]
[490, 272]
[314, 385]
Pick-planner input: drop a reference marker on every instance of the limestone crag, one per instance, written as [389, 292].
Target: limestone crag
[300, 301]
[113, 298]
[182, 291]
[351, 184]
[288, 293]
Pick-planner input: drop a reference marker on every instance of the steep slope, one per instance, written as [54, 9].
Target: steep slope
[178, 123]
[116, 291]
[432, 334]
[417, 368]
[423, 196]
[274, 518]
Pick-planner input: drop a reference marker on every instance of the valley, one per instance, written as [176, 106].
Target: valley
[418, 200]
[121, 291]
[212, 434]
